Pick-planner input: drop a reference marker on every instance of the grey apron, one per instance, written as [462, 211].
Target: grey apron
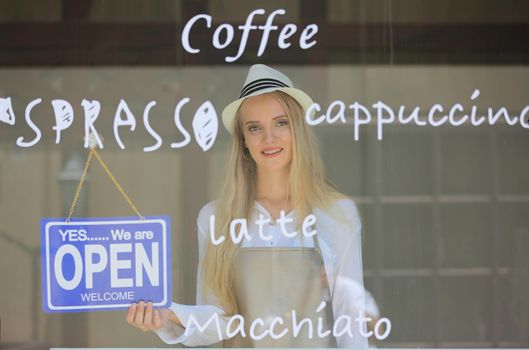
[271, 282]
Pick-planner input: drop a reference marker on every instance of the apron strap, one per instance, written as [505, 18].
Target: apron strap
[316, 240]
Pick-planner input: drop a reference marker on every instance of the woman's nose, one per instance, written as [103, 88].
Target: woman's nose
[269, 135]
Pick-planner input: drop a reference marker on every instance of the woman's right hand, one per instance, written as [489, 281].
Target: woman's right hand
[143, 316]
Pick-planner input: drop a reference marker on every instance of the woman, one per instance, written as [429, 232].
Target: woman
[268, 286]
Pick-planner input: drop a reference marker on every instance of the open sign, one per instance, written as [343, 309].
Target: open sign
[104, 263]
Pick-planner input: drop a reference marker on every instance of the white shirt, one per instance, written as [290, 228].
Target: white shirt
[340, 244]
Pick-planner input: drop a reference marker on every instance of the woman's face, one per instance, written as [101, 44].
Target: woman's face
[266, 131]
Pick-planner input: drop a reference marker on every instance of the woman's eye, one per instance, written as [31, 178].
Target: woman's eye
[282, 122]
[253, 128]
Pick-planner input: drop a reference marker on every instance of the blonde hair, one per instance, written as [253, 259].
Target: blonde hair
[237, 195]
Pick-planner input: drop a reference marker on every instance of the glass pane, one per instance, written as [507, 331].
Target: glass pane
[404, 196]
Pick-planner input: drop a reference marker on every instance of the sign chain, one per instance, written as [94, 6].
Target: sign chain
[93, 152]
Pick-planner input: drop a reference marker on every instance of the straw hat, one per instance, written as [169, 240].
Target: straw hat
[262, 79]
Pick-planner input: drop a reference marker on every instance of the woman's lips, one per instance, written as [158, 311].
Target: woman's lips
[273, 152]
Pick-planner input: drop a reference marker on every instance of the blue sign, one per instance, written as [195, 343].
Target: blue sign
[93, 264]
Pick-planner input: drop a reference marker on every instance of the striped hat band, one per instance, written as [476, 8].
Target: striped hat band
[261, 84]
